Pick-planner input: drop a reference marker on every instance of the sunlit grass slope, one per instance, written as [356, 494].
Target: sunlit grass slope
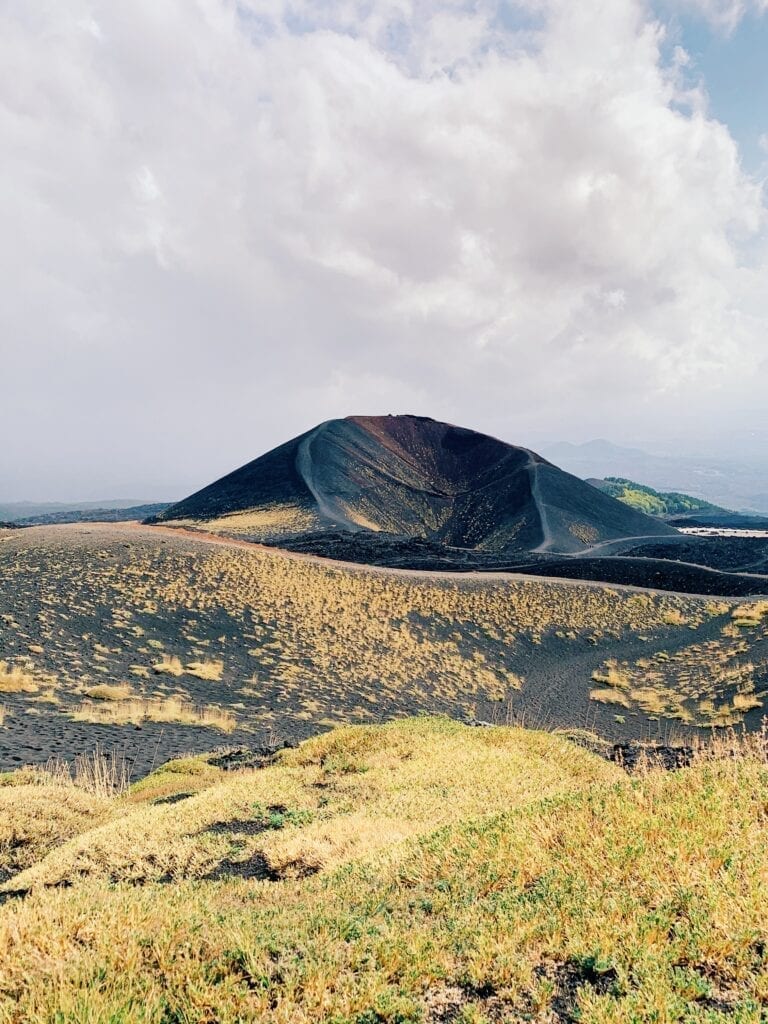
[343, 795]
[417, 872]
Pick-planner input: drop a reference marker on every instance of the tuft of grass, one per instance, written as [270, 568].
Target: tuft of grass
[16, 679]
[651, 700]
[170, 709]
[170, 665]
[206, 669]
[750, 614]
[612, 674]
[746, 701]
[103, 775]
[674, 617]
[106, 691]
[609, 695]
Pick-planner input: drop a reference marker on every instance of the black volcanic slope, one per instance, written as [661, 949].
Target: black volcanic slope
[409, 476]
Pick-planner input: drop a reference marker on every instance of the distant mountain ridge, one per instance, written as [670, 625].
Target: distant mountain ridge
[412, 476]
[39, 511]
[736, 483]
[95, 515]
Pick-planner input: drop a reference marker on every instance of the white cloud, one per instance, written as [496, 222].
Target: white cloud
[725, 15]
[91, 26]
[146, 186]
[224, 218]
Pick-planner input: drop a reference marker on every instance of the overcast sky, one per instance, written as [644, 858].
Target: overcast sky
[224, 222]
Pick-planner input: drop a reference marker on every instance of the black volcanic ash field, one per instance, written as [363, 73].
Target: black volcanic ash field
[279, 645]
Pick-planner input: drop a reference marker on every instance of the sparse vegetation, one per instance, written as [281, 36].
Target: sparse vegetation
[321, 643]
[171, 665]
[107, 691]
[206, 669]
[586, 534]
[16, 679]
[269, 522]
[297, 644]
[170, 709]
[710, 683]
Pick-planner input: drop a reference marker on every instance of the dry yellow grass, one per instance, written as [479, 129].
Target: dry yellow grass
[206, 669]
[515, 877]
[273, 521]
[36, 818]
[109, 691]
[746, 701]
[609, 695]
[169, 709]
[649, 699]
[709, 683]
[674, 617]
[613, 675]
[379, 639]
[16, 679]
[355, 791]
[750, 614]
[171, 666]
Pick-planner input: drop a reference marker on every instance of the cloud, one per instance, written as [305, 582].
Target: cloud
[724, 15]
[229, 220]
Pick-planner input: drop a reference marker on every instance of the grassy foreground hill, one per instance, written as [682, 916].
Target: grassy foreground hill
[417, 873]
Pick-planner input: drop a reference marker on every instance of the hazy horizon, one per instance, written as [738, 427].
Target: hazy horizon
[227, 222]
[754, 456]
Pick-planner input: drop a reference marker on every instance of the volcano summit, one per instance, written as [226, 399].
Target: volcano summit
[413, 477]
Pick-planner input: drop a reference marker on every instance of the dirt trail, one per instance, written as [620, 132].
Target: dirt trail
[305, 464]
[606, 547]
[533, 472]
